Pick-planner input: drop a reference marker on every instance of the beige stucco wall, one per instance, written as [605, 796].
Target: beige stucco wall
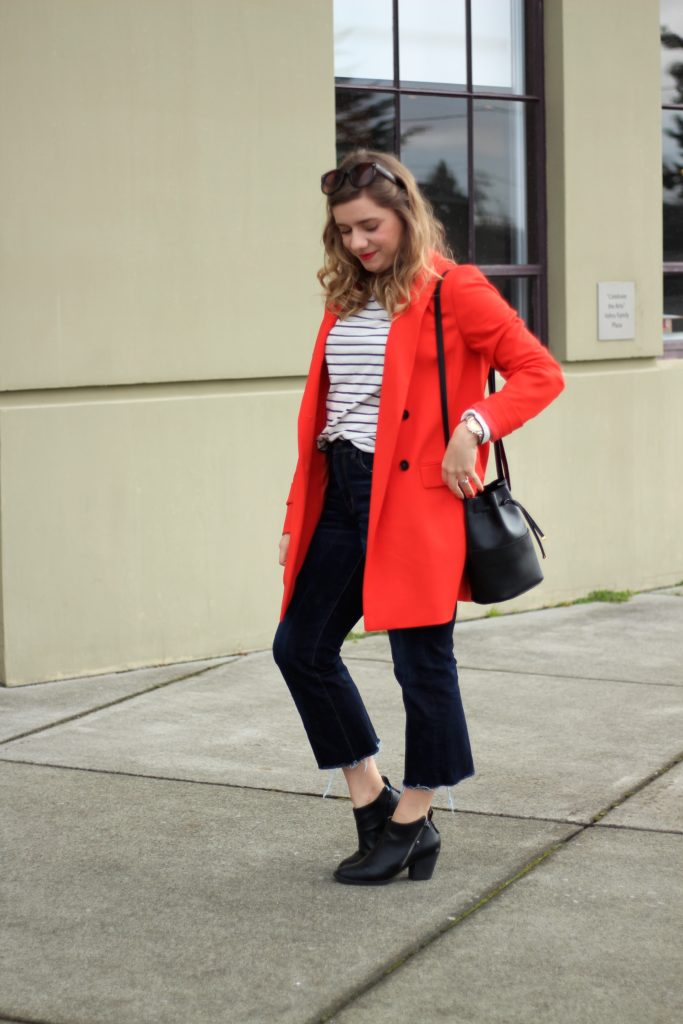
[600, 470]
[141, 525]
[603, 487]
[158, 305]
[159, 159]
[160, 216]
[604, 170]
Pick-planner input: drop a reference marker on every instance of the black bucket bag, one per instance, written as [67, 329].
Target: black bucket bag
[501, 558]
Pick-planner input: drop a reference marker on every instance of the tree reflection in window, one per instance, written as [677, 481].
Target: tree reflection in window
[449, 202]
[364, 119]
[671, 38]
[468, 124]
[672, 147]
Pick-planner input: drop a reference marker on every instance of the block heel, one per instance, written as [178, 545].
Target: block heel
[423, 869]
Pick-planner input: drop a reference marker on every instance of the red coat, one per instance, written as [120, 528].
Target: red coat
[416, 537]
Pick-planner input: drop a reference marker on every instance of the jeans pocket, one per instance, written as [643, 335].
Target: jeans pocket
[365, 460]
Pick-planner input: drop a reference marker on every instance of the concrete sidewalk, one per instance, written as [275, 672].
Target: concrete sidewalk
[166, 856]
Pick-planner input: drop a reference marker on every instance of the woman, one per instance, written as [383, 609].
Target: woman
[375, 522]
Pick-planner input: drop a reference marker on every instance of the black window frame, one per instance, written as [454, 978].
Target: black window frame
[670, 268]
[534, 99]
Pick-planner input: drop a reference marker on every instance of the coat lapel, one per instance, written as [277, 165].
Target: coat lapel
[399, 360]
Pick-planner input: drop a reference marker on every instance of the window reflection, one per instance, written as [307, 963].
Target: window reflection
[671, 35]
[500, 183]
[673, 315]
[364, 119]
[434, 147]
[498, 45]
[432, 43]
[672, 180]
[518, 292]
[493, 186]
[363, 40]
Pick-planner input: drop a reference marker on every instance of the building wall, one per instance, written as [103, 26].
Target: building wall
[158, 303]
[160, 211]
[602, 484]
[604, 170]
[600, 468]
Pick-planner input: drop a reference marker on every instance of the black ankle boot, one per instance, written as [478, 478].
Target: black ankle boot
[414, 845]
[370, 821]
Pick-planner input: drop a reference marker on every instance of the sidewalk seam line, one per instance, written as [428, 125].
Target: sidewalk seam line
[648, 780]
[542, 675]
[640, 828]
[24, 1020]
[489, 896]
[595, 820]
[107, 704]
[382, 974]
[271, 789]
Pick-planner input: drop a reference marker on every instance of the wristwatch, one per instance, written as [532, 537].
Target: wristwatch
[474, 427]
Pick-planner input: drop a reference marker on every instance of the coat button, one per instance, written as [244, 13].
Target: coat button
[406, 414]
[404, 464]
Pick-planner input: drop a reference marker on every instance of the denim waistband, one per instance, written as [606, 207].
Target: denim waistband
[341, 444]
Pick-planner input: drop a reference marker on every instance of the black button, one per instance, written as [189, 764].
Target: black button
[406, 414]
[404, 464]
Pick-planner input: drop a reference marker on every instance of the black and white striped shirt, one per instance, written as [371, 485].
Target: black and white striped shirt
[355, 363]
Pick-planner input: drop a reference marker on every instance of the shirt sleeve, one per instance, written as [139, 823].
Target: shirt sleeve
[480, 420]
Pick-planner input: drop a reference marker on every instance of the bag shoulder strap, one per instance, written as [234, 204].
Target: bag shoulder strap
[502, 468]
[441, 359]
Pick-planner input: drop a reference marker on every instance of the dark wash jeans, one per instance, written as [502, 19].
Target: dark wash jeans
[326, 604]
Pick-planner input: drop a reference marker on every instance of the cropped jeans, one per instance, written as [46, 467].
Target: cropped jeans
[326, 604]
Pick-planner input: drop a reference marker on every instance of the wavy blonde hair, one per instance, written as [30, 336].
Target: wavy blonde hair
[347, 285]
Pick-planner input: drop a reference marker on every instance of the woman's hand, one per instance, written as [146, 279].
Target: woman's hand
[457, 468]
[284, 547]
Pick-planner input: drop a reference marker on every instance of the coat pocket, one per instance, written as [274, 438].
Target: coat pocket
[430, 473]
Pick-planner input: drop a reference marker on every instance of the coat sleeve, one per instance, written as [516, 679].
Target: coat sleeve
[286, 526]
[492, 328]
[308, 408]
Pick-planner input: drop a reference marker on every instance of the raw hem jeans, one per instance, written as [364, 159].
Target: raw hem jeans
[326, 604]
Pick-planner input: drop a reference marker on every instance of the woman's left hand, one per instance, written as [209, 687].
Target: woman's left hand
[458, 466]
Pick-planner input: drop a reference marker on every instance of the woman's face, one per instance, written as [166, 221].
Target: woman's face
[369, 232]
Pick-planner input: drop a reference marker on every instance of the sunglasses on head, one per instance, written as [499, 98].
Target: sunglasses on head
[360, 176]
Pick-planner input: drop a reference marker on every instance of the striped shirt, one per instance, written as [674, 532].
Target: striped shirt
[355, 364]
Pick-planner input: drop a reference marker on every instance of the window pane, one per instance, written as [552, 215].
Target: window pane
[434, 147]
[363, 40]
[671, 22]
[364, 119]
[518, 291]
[498, 45]
[432, 42]
[673, 315]
[500, 182]
[672, 178]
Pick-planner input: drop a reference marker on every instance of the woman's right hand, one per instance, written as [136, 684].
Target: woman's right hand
[458, 467]
[284, 547]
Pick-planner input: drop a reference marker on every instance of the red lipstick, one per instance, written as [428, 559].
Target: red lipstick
[368, 255]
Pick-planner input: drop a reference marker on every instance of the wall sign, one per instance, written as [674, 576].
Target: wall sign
[616, 310]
